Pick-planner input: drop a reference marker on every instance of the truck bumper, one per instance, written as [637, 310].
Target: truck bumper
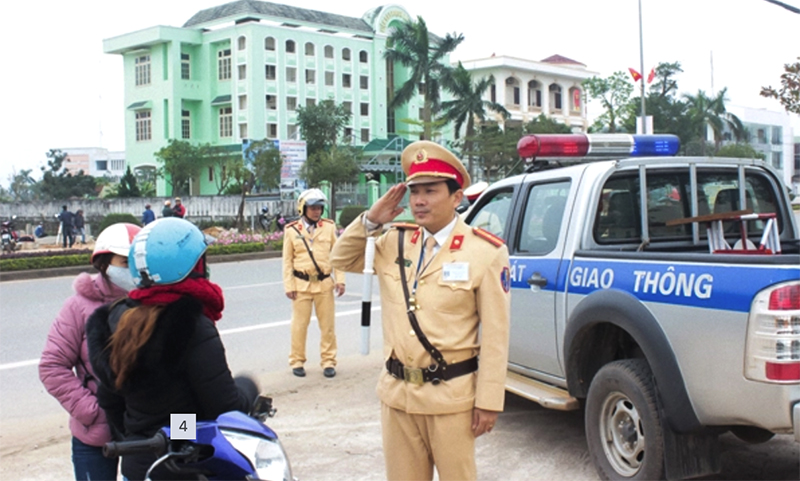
[796, 421]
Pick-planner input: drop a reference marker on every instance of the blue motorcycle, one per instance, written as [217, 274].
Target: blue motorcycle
[234, 446]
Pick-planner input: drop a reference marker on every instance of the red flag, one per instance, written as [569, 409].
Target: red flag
[651, 75]
[636, 75]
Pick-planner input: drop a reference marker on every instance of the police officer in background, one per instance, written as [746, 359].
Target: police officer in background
[445, 308]
[309, 280]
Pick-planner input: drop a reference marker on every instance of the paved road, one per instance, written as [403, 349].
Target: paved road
[330, 427]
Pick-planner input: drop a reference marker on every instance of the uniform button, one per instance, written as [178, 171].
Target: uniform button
[411, 332]
[422, 283]
[410, 359]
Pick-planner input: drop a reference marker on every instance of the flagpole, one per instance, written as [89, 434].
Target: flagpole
[641, 67]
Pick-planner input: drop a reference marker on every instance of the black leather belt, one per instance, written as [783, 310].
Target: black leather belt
[436, 375]
[311, 277]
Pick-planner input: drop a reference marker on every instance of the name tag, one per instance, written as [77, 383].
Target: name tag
[455, 271]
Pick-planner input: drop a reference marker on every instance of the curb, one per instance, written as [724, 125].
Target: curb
[75, 270]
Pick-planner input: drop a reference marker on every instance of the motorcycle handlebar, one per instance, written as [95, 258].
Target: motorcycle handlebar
[156, 445]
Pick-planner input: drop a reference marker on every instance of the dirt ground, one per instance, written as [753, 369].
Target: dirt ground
[330, 429]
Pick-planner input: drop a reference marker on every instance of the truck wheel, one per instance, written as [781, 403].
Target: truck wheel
[623, 430]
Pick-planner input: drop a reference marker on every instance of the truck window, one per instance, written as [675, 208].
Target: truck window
[492, 215]
[542, 218]
[618, 218]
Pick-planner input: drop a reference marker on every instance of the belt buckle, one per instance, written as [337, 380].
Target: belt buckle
[313, 277]
[413, 375]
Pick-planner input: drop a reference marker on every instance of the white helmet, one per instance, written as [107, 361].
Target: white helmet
[310, 197]
[115, 239]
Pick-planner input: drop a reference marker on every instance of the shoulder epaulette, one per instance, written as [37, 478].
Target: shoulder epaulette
[329, 221]
[405, 226]
[291, 224]
[488, 236]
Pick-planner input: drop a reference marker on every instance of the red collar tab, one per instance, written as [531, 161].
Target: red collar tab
[416, 235]
[458, 241]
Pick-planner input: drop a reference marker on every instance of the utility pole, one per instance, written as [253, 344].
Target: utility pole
[641, 69]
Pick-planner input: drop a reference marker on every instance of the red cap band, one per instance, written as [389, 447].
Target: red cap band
[435, 168]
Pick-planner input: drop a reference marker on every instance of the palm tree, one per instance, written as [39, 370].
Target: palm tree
[468, 104]
[709, 112]
[410, 46]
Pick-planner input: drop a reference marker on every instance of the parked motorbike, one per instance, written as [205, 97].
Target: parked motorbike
[8, 236]
[278, 220]
[234, 446]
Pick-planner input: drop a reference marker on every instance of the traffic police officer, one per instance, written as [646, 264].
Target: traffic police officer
[436, 395]
[308, 279]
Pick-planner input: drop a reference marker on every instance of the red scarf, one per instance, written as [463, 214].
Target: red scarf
[202, 289]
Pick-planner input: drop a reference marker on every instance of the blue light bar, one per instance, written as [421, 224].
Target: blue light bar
[655, 145]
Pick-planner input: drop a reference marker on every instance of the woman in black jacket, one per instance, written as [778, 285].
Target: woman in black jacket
[158, 351]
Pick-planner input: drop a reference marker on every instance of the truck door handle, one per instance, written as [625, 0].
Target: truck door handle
[537, 280]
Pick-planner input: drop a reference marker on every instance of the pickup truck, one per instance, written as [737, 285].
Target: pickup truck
[661, 294]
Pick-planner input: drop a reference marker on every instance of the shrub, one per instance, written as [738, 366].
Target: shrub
[349, 214]
[220, 249]
[45, 262]
[116, 218]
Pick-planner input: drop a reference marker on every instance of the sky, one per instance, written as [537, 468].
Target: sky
[68, 93]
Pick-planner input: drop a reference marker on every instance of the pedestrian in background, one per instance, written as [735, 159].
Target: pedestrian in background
[67, 220]
[80, 226]
[64, 368]
[307, 280]
[445, 301]
[179, 209]
[148, 215]
[167, 210]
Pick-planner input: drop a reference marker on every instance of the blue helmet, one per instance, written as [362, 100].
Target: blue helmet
[165, 252]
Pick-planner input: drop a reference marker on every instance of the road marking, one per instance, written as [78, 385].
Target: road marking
[249, 286]
[234, 330]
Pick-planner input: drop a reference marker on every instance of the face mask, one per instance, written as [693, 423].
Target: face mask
[121, 277]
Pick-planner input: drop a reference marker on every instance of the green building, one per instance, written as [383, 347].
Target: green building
[240, 70]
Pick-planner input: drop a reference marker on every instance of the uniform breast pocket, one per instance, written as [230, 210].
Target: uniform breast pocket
[392, 287]
[455, 296]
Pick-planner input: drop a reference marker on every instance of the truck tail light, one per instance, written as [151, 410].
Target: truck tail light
[772, 353]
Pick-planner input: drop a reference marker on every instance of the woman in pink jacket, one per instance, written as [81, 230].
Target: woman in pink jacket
[66, 350]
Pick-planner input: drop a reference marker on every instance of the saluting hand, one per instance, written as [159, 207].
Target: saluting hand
[385, 209]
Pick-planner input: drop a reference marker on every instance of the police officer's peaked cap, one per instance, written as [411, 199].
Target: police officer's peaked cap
[425, 162]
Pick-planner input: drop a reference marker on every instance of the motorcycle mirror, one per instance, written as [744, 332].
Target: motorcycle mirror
[262, 408]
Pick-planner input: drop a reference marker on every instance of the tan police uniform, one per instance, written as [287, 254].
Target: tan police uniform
[300, 275]
[463, 308]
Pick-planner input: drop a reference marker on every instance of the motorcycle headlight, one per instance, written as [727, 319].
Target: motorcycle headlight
[266, 455]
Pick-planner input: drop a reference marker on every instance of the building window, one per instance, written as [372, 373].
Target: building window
[311, 77]
[309, 49]
[364, 109]
[348, 135]
[226, 122]
[186, 66]
[346, 54]
[242, 42]
[363, 56]
[243, 102]
[329, 79]
[290, 46]
[291, 74]
[364, 136]
[272, 131]
[534, 94]
[117, 164]
[777, 160]
[291, 103]
[211, 174]
[363, 81]
[186, 124]
[242, 72]
[346, 79]
[101, 164]
[328, 51]
[777, 134]
[291, 131]
[269, 44]
[348, 106]
[143, 125]
[512, 91]
[243, 131]
[142, 70]
[224, 64]
[555, 97]
[575, 99]
[493, 93]
[271, 72]
[311, 102]
[272, 102]
[761, 135]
